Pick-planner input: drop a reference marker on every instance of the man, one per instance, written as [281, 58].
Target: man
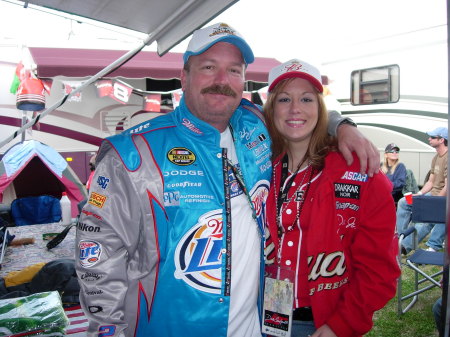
[436, 185]
[170, 241]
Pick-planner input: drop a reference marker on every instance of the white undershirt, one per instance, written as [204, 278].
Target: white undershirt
[243, 318]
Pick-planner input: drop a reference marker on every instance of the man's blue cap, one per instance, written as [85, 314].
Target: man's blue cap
[439, 132]
[205, 38]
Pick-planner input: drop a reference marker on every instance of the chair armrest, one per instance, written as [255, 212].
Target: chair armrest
[410, 230]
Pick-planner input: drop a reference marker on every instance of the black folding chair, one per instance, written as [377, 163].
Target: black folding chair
[426, 209]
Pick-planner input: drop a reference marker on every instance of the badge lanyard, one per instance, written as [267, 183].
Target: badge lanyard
[227, 166]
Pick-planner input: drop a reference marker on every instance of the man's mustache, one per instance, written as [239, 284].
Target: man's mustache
[219, 89]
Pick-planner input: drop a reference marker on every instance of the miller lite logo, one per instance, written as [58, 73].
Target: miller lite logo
[90, 252]
[258, 196]
[198, 257]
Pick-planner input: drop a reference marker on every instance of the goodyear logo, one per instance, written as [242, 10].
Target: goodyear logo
[97, 199]
[181, 156]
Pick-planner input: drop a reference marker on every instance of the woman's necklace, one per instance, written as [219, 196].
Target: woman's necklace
[282, 198]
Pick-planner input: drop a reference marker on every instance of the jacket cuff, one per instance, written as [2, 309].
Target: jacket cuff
[335, 119]
[339, 326]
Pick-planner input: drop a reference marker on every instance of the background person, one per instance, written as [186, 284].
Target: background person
[330, 230]
[436, 185]
[394, 170]
[92, 171]
[175, 238]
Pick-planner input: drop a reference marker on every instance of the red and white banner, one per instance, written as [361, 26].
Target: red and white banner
[263, 96]
[247, 95]
[121, 91]
[152, 102]
[104, 88]
[176, 98]
[69, 86]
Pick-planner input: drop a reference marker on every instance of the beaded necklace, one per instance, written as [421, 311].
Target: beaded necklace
[282, 197]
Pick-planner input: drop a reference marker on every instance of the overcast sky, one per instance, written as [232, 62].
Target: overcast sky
[281, 29]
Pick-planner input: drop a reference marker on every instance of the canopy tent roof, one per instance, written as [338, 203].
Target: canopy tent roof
[168, 22]
[69, 62]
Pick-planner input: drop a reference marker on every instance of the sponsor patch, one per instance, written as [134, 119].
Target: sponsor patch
[350, 191]
[188, 124]
[91, 214]
[106, 330]
[140, 128]
[94, 292]
[345, 205]
[96, 199]
[102, 182]
[181, 156]
[198, 257]
[246, 134]
[90, 277]
[176, 173]
[355, 176]
[87, 228]
[93, 309]
[172, 198]
[90, 252]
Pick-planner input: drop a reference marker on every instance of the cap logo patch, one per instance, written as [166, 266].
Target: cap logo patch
[222, 29]
[294, 67]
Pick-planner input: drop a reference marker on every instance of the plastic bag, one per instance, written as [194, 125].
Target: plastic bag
[37, 314]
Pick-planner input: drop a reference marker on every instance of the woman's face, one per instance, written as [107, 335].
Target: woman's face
[393, 155]
[296, 111]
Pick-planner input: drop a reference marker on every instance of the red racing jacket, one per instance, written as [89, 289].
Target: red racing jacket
[350, 246]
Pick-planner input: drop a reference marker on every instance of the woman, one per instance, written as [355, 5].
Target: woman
[330, 229]
[394, 170]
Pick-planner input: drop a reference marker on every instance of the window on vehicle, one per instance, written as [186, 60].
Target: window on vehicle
[375, 85]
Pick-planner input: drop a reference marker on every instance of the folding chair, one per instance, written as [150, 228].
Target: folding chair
[36, 210]
[425, 209]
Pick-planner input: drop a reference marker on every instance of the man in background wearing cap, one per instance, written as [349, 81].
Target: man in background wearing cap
[172, 235]
[436, 185]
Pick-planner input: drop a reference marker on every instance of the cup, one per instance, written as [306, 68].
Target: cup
[409, 198]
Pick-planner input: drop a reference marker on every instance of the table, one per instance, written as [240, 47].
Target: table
[18, 257]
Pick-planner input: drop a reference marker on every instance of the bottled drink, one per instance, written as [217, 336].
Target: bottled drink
[66, 209]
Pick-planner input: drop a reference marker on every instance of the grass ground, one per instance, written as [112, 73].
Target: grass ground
[417, 322]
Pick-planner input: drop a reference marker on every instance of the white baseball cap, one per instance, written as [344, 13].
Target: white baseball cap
[295, 68]
[203, 39]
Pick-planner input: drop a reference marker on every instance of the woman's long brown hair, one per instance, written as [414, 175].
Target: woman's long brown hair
[321, 143]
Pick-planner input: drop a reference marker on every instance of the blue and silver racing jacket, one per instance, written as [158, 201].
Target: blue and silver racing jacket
[152, 238]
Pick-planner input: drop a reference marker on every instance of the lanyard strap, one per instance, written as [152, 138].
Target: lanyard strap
[226, 183]
[283, 192]
[240, 180]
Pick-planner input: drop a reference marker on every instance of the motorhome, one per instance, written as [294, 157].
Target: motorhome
[395, 89]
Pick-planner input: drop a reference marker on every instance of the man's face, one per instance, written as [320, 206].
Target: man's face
[435, 141]
[214, 83]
